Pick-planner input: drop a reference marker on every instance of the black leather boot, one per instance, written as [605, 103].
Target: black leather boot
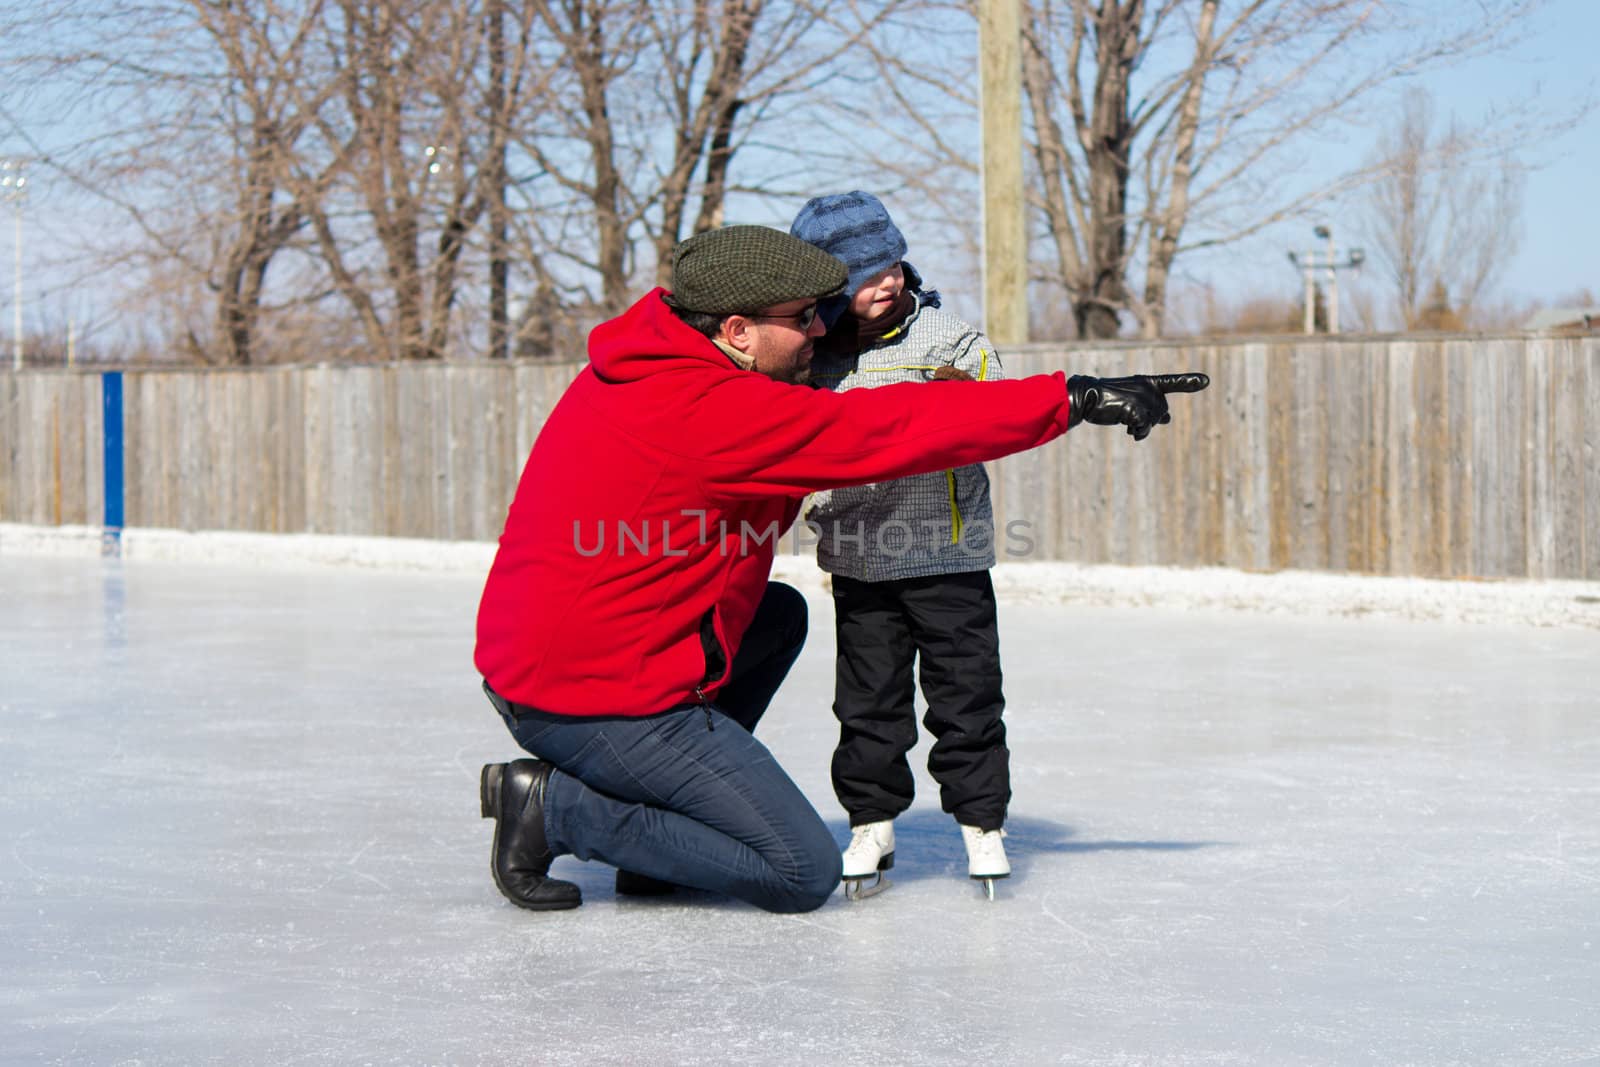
[512, 794]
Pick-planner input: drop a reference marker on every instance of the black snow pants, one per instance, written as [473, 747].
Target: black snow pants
[946, 623]
[770, 647]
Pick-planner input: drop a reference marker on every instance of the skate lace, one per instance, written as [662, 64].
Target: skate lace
[985, 842]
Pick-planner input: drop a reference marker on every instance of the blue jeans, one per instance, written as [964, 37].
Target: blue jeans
[690, 796]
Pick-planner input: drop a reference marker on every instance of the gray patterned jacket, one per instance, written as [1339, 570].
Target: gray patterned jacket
[939, 523]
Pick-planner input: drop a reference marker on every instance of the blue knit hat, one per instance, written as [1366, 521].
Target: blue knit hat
[854, 227]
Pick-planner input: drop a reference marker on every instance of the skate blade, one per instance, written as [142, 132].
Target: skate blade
[854, 890]
[988, 881]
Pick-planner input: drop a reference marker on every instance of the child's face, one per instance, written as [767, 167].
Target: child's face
[876, 298]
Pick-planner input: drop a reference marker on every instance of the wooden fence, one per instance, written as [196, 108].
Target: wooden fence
[1432, 457]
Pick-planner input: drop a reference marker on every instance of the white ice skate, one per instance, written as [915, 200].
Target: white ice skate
[986, 856]
[871, 851]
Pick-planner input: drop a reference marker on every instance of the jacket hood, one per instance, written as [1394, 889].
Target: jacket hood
[647, 339]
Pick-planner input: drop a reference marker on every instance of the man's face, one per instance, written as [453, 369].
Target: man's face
[779, 338]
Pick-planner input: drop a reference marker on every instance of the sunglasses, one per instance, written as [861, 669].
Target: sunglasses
[802, 318]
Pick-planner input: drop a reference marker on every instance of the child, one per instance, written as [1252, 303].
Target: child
[910, 563]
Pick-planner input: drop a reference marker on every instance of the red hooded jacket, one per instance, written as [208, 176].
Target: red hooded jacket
[651, 506]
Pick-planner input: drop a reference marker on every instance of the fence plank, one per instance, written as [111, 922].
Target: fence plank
[1589, 385]
[140, 480]
[1539, 456]
[33, 398]
[11, 495]
[1400, 436]
[1566, 473]
[1280, 453]
[1457, 458]
[1495, 512]
[94, 458]
[1247, 470]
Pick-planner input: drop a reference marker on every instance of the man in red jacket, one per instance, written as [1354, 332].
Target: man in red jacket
[628, 634]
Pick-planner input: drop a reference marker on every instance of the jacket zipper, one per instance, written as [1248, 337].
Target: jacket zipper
[955, 508]
[950, 475]
[716, 668]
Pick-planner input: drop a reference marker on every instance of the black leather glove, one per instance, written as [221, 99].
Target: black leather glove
[1138, 402]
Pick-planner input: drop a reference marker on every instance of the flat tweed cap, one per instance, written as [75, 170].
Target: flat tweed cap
[744, 269]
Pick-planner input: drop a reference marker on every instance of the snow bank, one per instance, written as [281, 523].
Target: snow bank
[1307, 593]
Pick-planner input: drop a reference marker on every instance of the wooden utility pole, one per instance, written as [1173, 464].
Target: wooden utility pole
[1005, 239]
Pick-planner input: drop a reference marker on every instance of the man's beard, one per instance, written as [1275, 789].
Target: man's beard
[800, 374]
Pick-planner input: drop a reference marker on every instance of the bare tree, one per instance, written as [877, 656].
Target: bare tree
[601, 41]
[1163, 126]
[265, 52]
[189, 131]
[652, 95]
[403, 70]
[365, 137]
[1442, 221]
[705, 121]
[428, 95]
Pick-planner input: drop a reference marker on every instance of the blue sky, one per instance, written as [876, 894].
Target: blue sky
[1561, 247]
[1555, 63]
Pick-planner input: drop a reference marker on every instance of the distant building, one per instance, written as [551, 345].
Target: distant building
[1566, 320]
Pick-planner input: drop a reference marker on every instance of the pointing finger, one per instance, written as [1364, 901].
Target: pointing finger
[1180, 383]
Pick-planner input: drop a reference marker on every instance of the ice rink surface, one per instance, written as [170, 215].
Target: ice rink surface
[240, 825]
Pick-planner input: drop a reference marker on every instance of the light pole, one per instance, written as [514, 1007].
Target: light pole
[13, 187]
[1001, 187]
[1333, 279]
[1310, 262]
[1310, 298]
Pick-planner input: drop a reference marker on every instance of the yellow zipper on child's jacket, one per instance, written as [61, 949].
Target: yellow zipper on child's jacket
[956, 521]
